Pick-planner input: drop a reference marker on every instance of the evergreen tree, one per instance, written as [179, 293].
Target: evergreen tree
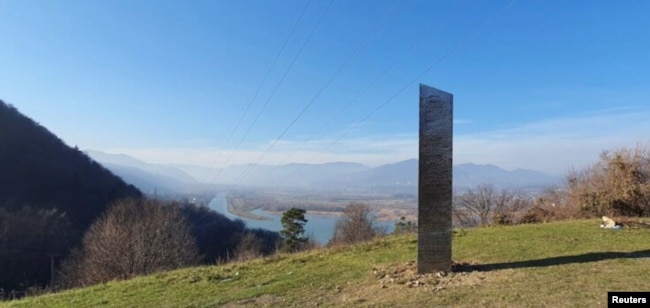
[293, 222]
[403, 226]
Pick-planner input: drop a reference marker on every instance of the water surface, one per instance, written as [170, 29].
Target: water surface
[319, 227]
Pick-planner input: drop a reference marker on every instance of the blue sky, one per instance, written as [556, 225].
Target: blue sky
[537, 84]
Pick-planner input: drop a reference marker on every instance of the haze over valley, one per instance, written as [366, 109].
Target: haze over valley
[337, 176]
[180, 140]
[390, 189]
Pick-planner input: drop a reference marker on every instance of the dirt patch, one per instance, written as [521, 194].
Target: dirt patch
[406, 275]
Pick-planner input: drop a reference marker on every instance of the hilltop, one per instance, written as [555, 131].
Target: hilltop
[570, 263]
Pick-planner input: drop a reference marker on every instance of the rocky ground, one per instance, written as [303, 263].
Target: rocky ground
[405, 275]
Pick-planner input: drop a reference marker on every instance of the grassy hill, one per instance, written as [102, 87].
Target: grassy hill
[556, 264]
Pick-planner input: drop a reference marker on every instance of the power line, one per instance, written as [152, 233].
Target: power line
[392, 67]
[293, 61]
[414, 80]
[259, 88]
[360, 93]
[285, 43]
[328, 122]
[343, 65]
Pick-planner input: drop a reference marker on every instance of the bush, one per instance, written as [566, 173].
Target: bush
[356, 225]
[617, 185]
[537, 214]
[134, 237]
[485, 205]
[403, 226]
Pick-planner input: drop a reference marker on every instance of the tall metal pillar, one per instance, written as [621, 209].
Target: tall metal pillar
[435, 174]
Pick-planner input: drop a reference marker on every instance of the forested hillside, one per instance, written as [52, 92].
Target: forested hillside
[49, 194]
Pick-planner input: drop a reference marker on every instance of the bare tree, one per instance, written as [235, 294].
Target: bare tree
[485, 205]
[356, 225]
[134, 237]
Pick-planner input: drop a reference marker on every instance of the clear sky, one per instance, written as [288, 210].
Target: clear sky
[537, 84]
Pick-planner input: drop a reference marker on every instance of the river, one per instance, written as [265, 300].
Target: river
[318, 227]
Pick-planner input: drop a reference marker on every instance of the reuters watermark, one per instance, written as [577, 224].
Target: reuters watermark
[616, 299]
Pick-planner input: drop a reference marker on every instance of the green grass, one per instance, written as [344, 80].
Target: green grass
[556, 264]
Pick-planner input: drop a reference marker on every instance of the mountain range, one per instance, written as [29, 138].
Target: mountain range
[399, 176]
[148, 177]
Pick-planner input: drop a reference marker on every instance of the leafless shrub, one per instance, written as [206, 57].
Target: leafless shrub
[485, 205]
[356, 225]
[617, 185]
[537, 214]
[552, 204]
[134, 237]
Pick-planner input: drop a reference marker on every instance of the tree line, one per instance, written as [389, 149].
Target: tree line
[50, 193]
[617, 185]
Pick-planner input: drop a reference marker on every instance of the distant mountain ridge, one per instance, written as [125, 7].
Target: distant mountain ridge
[404, 174]
[399, 176]
[149, 178]
[470, 175]
[290, 175]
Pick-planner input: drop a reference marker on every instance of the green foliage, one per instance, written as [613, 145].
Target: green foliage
[293, 223]
[403, 226]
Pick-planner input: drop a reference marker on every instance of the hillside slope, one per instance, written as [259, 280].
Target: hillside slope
[38, 169]
[555, 264]
[149, 178]
[49, 194]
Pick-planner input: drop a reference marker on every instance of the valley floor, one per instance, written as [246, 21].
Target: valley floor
[386, 207]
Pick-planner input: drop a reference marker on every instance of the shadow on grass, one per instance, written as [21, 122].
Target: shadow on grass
[562, 260]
